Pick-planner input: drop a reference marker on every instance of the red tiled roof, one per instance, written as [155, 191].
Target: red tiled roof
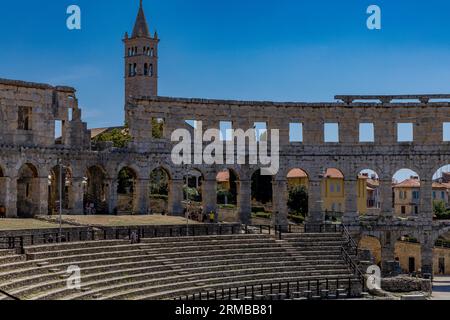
[334, 173]
[223, 176]
[408, 183]
[296, 173]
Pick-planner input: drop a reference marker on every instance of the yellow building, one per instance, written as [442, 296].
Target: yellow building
[333, 193]
[407, 196]
[297, 177]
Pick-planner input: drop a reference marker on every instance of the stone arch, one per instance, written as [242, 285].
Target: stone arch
[368, 192]
[440, 193]
[54, 187]
[372, 244]
[159, 190]
[126, 190]
[228, 194]
[333, 192]
[408, 252]
[193, 193]
[3, 192]
[297, 187]
[95, 190]
[262, 193]
[28, 191]
[406, 192]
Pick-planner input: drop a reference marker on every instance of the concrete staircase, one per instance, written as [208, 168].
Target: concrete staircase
[167, 268]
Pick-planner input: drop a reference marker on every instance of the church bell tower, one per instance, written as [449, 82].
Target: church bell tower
[141, 59]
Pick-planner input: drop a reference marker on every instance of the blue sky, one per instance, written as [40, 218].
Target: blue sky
[237, 49]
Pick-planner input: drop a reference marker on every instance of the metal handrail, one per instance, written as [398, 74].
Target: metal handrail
[348, 259]
[315, 288]
[9, 295]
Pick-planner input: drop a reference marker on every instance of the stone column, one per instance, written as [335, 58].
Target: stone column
[280, 198]
[426, 250]
[244, 201]
[111, 196]
[209, 197]
[387, 209]
[316, 214]
[426, 202]
[41, 197]
[76, 197]
[141, 201]
[351, 202]
[11, 197]
[176, 197]
[387, 253]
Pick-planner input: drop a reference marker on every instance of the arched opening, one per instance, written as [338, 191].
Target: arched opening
[94, 185]
[159, 191]
[54, 186]
[3, 193]
[440, 193]
[372, 245]
[368, 193]
[262, 194]
[192, 193]
[151, 70]
[145, 69]
[126, 191]
[298, 184]
[227, 195]
[408, 254]
[27, 191]
[333, 194]
[406, 193]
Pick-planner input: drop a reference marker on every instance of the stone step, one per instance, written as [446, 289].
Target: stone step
[11, 259]
[127, 269]
[168, 292]
[4, 253]
[74, 245]
[131, 289]
[200, 273]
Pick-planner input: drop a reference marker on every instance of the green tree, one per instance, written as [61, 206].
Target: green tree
[439, 209]
[120, 137]
[298, 200]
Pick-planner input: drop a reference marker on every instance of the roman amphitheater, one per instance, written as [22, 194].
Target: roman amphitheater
[238, 259]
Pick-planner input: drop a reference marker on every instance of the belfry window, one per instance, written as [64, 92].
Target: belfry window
[151, 70]
[145, 69]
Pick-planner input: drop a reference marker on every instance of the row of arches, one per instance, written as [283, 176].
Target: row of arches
[98, 187]
[145, 51]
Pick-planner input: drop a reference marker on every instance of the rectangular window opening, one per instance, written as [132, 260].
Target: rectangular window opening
[24, 118]
[260, 131]
[226, 130]
[366, 132]
[405, 132]
[446, 131]
[296, 132]
[157, 128]
[331, 132]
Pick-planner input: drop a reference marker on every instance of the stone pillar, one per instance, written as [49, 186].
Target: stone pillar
[426, 250]
[111, 196]
[141, 201]
[351, 202]
[280, 198]
[316, 214]
[388, 254]
[76, 198]
[41, 197]
[209, 197]
[11, 197]
[387, 209]
[244, 201]
[176, 197]
[426, 202]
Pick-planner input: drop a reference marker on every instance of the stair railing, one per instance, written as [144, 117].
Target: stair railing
[353, 266]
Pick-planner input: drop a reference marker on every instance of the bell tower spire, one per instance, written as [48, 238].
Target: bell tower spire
[141, 59]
